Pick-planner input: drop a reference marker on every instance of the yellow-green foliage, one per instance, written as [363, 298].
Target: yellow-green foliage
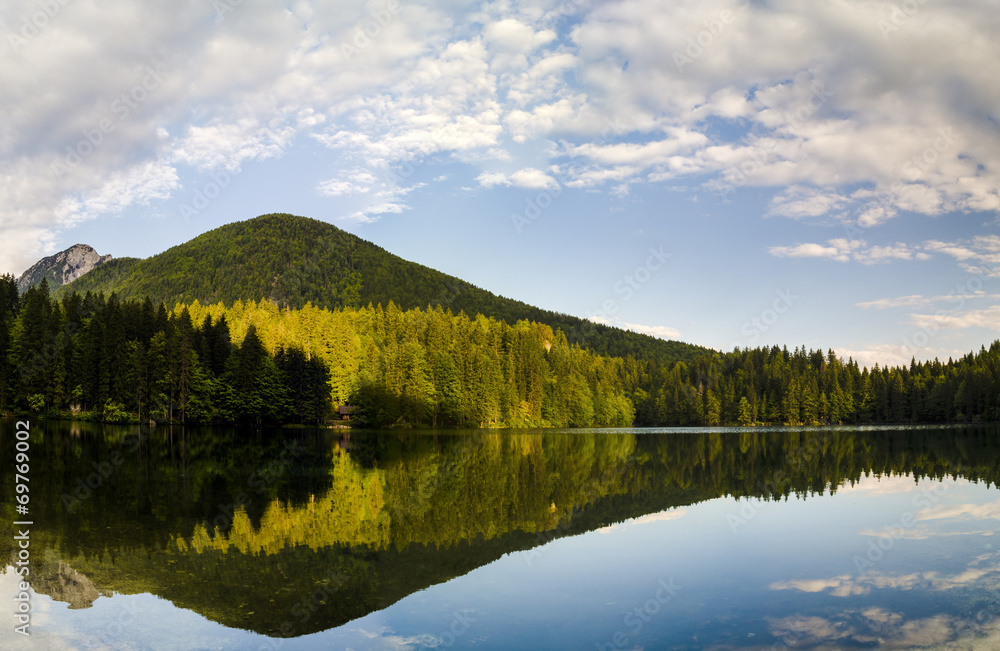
[483, 488]
[433, 367]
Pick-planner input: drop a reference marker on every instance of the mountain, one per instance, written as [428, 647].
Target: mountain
[62, 268]
[294, 260]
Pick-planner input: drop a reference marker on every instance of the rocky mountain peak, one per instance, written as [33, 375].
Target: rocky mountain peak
[63, 267]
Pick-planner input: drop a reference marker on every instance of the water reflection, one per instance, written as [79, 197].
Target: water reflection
[710, 535]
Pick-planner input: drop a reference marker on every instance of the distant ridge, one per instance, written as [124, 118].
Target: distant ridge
[294, 260]
[63, 267]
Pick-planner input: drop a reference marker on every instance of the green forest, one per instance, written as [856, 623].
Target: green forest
[256, 363]
[775, 386]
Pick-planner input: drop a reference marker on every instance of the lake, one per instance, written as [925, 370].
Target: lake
[754, 538]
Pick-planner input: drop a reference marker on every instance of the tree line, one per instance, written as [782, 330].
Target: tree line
[775, 386]
[257, 363]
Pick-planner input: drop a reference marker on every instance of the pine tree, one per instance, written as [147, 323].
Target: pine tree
[8, 314]
[746, 416]
[31, 345]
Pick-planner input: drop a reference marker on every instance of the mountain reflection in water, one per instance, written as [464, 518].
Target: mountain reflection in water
[294, 532]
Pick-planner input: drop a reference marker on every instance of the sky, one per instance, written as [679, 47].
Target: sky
[722, 172]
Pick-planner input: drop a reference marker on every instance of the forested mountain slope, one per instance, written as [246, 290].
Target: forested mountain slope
[295, 260]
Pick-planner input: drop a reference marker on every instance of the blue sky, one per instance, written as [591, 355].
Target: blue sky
[725, 173]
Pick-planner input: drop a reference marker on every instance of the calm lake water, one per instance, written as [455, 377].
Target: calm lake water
[806, 538]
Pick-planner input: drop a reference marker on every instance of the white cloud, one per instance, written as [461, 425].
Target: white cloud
[798, 201]
[227, 146]
[880, 485]
[358, 181]
[137, 185]
[810, 251]
[333, 188]
[847, 585]
[844, 250]
[644, 154]
[982, 318]
[533, 179]
[978, 256]
[515, 40]
[914, 300]
[380, 193]
[543, 118]
[492, 179]
[958, 252]
[877, 626]
[663, 332]
[990, 511]
[528, 178]
[902, 301]
[884, 254]
[887, 354]
[841, 586]
[595, 177]
[662, 516]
